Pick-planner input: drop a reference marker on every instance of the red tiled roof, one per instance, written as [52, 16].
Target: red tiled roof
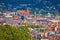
[24, 12]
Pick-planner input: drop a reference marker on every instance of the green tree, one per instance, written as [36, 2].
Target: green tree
[8, 32]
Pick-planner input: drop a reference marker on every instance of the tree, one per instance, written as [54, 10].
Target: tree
[8, 32]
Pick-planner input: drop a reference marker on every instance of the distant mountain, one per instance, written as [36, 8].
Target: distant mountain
[41, 4]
